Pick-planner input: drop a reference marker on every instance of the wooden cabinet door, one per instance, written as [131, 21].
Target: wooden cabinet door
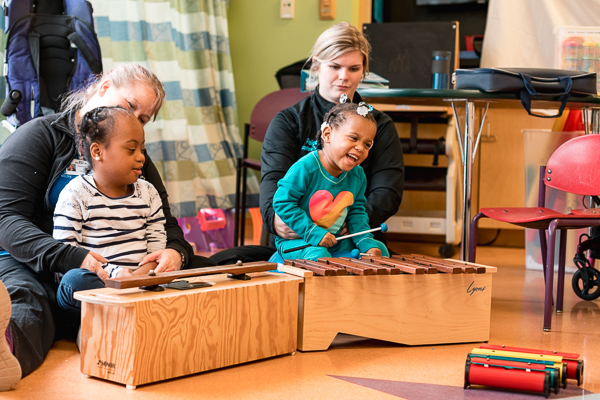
[501, 160]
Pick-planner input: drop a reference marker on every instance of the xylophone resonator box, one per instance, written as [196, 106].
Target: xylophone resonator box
[133, 336]
[414, 309]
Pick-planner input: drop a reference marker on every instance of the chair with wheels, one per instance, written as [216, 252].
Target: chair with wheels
[574, 168]
[262, 114]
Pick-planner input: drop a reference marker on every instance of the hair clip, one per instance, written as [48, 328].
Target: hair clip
[364, 109]
[343, 98]
[324, 125]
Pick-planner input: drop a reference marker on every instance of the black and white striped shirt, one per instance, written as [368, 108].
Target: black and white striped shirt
[123, 230]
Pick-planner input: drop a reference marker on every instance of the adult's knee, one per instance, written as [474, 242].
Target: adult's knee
[73, 281]
[315, 252]
[249, 253]
[384, 250]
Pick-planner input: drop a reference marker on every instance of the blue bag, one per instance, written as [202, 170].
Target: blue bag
[51, 48]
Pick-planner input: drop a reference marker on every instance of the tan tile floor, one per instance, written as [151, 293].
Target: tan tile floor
[359, 368]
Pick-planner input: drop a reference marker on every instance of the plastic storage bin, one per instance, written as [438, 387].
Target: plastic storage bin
[578, 48]
[210, 230]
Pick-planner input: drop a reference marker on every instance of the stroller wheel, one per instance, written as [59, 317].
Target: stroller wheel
[586, 283]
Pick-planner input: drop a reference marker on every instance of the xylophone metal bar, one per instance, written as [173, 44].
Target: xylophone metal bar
[378, 265]
[317, 268]
[440, 264]
[349, 266]
[466, 266]
[379, 269]
[126, 282]
[403, 265]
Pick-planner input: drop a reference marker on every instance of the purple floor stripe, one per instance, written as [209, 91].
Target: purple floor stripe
[419, 391]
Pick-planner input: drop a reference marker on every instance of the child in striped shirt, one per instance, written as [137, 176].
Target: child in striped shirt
[110, 211]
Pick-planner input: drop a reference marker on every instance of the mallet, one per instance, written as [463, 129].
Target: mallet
[382, 228]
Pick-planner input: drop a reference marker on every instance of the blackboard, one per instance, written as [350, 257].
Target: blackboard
[401, 51]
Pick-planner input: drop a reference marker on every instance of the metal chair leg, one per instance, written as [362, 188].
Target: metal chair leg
[543, 246]
[237, 207]
[473, 237]
[560, 282]
[243, 206]
[549, 272]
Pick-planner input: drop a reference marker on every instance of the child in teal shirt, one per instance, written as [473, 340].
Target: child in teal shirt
[325, 189]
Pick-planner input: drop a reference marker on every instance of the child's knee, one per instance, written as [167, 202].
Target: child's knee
[314, 253]
[384, 250]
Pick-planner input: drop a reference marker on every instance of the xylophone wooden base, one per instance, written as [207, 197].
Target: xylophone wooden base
[408, 309]
[134, 337]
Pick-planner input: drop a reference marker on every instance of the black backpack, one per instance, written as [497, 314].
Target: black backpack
[51, 48]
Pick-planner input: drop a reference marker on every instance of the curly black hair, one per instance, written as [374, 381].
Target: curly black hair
[97, 126]
[338, 115]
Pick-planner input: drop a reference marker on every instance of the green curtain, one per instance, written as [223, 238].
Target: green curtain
[195, 141]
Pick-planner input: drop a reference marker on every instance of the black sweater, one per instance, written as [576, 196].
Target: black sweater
[294, 132]
[31, 159]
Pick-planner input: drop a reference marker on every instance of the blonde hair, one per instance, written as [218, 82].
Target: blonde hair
[121, 76]
[336, 41]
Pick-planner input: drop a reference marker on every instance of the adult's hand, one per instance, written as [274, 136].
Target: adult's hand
[93, 262]
[344, 231]
[282, 229]
[166, 259]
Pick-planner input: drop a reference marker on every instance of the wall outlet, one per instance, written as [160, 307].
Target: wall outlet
[287, 9]
[327, 9]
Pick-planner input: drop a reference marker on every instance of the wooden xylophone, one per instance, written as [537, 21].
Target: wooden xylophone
[395, 265]
[135, 336]
[410, 299]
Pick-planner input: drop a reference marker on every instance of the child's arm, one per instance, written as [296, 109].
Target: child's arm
[357, 218]
[144, 269]
[156, 235]
[286, 204]
[118, 272]
[68, 218]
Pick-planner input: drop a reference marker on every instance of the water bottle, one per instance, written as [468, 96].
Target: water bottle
[440, 69]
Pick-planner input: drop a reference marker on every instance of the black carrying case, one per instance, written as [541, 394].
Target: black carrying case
[529, 82]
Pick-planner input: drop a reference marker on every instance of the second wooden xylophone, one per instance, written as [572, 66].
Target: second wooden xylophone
[415, 264]
[409, 299]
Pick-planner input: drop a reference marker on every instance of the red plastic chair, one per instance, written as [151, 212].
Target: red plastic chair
[262, 114]
[575, 168]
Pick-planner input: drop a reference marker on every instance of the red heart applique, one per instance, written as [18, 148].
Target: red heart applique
[324, 210]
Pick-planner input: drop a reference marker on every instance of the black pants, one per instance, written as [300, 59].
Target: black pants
[243, 253]
[33, 301]
[252, 253]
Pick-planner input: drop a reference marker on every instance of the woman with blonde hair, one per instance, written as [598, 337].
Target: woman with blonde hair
[340, 60]
[36, 163]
